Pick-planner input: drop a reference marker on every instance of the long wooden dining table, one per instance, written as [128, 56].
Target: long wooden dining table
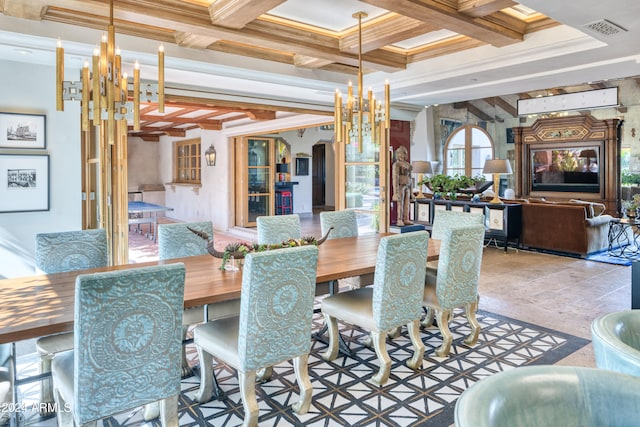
[35, 306]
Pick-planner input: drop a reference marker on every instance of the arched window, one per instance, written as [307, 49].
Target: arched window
[466, 150]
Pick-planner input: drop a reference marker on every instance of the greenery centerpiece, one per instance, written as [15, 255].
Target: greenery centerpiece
[449, 186]
[238, 250]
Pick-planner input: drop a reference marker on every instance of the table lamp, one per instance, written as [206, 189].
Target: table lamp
[421, 167]
[497, 167]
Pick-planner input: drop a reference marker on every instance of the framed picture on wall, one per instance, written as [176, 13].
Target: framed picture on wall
[24, 182]
[302, 166]
[22, 130]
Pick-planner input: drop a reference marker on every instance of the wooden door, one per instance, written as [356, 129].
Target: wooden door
[319, 175]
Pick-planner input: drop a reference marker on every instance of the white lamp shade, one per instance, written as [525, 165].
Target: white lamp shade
[500, 166]
[420, 166]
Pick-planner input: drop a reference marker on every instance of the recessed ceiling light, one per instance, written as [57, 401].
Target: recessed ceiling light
[23, 51]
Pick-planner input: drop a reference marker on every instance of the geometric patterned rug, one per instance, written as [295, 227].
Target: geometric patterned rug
[343, 394]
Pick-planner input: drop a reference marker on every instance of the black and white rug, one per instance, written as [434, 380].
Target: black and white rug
[343, 394]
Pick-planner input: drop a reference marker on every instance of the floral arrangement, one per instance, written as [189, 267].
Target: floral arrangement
[240, 249]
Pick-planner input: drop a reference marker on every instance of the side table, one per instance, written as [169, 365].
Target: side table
[623, 237]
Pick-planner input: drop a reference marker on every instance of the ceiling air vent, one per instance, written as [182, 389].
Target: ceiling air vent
[604, 27]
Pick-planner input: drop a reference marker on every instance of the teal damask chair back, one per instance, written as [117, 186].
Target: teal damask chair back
[176, 241]
[274, 325]
[616, 341]
[444, 220]
[127, 328]
[58, 253]
[275, 229]
[71, 250]
[393, 300]
[344, 224]
[456, 283]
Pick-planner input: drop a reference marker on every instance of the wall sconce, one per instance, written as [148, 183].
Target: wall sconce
[210, 156]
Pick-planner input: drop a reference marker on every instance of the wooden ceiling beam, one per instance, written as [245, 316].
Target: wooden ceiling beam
[494, 29]
[149, 137]
[309, 61]
[139, 17]
[391, 29]
[261, 115]
[178, 133]
[31, 10]
[477, 8]
[238, 13]
[474, 110]
[193, 41]
[211, 126]
[503, 104]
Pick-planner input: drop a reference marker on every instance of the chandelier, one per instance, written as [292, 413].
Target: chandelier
[103, 91]
[361, 117]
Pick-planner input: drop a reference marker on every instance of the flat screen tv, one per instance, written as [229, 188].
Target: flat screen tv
[574, 169]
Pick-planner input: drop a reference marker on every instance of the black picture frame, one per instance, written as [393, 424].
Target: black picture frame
[23, 131]
[302, 166]
[24, 183]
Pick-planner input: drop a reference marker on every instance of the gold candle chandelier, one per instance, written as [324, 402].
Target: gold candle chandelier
[103, 91]
[361, 117]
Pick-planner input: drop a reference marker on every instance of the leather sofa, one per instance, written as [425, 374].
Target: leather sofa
[578, 227]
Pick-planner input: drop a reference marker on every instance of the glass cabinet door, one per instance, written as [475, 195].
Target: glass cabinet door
[256, 172]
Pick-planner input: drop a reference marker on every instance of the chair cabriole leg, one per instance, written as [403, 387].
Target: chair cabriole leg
[206, 376]
[470, 312]
[248, 393]
[418, 345]
[442, 317]
[379, 344]
[332, 327]
[302, 376]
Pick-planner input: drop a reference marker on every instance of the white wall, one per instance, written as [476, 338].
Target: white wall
[213, 200]
[30, 88]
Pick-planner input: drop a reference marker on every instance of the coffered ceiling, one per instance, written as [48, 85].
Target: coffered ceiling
[238, 62]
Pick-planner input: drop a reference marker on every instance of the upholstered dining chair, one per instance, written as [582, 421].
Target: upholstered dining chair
[274, 325]
[616, 341]
[445, 220]
[393, 300]
[344, 224]
[177, 241]
[127, 340]
[551, 395]
[59, 253]
[456, 284]
[275, 229]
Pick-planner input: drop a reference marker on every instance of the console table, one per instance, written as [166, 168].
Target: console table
[502, 220]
